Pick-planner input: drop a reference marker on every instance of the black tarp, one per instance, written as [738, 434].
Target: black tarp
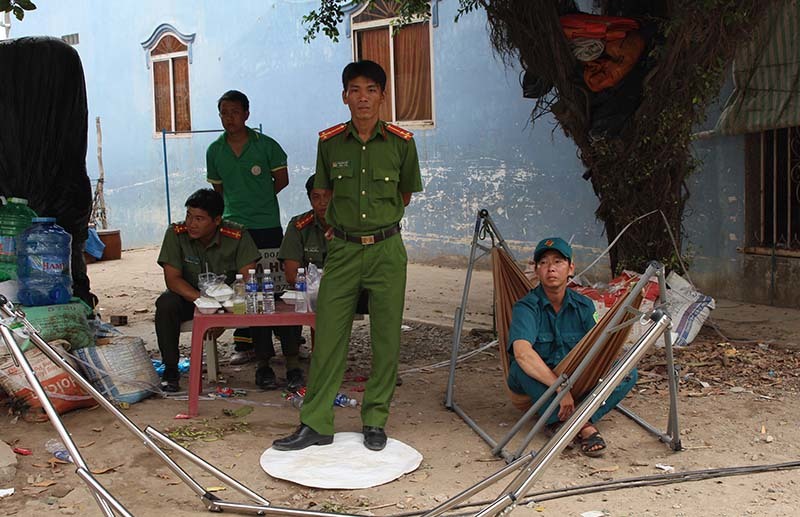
[43, 131]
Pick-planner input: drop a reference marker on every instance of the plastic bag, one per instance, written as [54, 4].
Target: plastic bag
[313, 279]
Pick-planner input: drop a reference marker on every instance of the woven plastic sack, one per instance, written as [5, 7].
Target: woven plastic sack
[67, 321]
[121, 371]
[64, 393]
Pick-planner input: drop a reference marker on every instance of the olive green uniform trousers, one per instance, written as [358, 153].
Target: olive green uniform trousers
[380, 269]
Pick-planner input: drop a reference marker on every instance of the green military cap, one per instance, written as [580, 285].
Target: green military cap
[552, 243]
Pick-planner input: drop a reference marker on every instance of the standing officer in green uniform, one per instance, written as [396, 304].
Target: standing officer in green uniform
[249, 169]
[303, 243]
[545, 325]
[372, 169]
[203, 239]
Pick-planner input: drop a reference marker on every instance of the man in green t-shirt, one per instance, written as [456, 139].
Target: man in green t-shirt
[202, 240]
[371, 169]
[249, 169]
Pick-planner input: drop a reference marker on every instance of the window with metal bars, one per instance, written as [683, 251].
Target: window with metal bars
[772, 195]
[170, 60]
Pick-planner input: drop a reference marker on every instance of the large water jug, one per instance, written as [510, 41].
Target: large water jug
[43, 263]
[15, 217]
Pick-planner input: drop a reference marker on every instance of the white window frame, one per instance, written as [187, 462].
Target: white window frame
[391, 24]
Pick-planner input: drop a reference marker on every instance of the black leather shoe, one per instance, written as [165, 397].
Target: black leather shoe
[294, 379]
[303, 437]
[172, 386]
[170, 380]
[265, 378]
[374, 438]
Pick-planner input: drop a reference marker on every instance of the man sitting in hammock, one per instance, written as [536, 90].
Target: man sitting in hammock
[545, 325]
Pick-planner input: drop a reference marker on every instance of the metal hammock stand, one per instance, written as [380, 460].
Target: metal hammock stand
[485, 228]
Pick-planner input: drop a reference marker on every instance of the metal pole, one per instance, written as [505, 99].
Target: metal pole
[458, 320]
[466, 494]
[581, 415]
[7, 310]
[673, 430]
[52, 414]
[205, 465]
[166, 173]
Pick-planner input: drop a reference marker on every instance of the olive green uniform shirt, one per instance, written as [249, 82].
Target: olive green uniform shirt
[248, 187]
[304, 241]
[367, 178]
[230, 250]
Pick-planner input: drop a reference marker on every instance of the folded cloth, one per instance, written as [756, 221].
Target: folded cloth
[94, 246]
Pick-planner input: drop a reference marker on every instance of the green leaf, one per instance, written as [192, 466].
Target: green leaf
[238, 413]
[26, 4]
[18, 12]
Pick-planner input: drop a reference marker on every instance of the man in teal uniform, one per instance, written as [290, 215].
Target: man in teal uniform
[371, 168]
[203, 239]
[249, 169]
[545, 325]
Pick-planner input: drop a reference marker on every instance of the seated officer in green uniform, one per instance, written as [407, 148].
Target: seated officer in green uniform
[303, 243]
[371, 168]
[545, 325]
[203, 239]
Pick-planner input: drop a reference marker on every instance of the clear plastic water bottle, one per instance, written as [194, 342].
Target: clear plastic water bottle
[57, 449]
[301, 302]
[296, 399]
[251, 291]
[43, 263]
[269, 292]
[239, 295]
[343, 400]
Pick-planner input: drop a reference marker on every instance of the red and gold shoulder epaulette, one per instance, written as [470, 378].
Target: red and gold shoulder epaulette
[179, 228]
[332, 131]
[304, 220]
[399, 131]
[233, 233]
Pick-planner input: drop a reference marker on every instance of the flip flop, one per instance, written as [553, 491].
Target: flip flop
[589, 443]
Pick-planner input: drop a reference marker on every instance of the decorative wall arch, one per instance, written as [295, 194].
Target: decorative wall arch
[166, 29]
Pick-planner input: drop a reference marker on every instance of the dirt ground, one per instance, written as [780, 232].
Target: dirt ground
[739, 406]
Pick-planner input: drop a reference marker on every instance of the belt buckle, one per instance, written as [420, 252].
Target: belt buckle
[366, 240]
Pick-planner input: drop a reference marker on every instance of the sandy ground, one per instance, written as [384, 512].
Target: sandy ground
[747, 415]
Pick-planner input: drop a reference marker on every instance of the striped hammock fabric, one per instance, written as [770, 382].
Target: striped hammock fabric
[511, 284]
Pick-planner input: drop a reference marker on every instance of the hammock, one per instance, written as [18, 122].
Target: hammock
[511, 284]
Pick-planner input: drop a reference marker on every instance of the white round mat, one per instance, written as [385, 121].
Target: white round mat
[344, 464]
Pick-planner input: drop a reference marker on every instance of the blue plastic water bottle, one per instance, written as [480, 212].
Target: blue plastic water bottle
[43, 263]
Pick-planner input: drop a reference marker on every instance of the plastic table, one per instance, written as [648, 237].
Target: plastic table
[284, 316]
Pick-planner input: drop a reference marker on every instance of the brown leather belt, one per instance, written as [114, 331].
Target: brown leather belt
[366, 240]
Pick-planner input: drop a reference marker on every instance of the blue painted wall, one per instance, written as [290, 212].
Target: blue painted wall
[482, 153]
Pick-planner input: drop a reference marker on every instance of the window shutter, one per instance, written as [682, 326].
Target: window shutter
[412, 67]
[180, 74]
[373, 44]
[162, 95]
